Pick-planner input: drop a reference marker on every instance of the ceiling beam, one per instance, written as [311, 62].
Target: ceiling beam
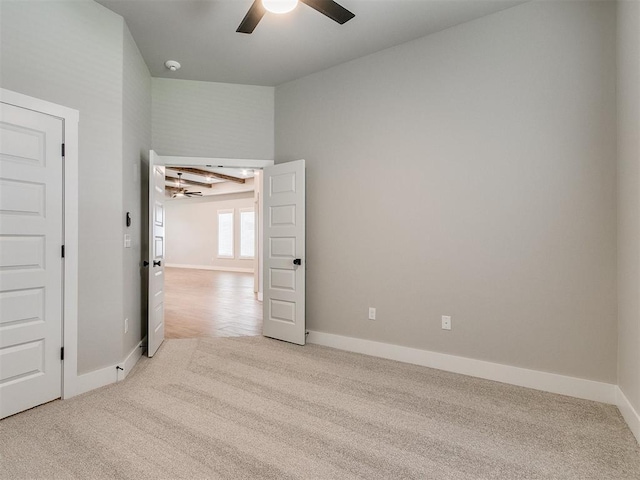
[205, 173]
[184, 181]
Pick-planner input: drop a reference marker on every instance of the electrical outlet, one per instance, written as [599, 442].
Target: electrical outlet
[126, 325]
[446, 322]
[372, 313]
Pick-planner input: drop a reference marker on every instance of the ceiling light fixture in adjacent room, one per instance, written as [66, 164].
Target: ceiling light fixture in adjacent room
[172, 65]
[279, 6]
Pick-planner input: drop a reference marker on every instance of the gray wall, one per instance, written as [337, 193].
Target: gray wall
[212, 119]
[474, 161]
[192, 230]
[136, 137]
[629, 200]
[470, 173]
[70, 53]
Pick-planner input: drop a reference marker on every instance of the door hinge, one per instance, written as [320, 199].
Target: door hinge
[63, 149]
[62, 251]
[62, 353]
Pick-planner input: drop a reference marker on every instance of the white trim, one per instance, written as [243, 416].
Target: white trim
[131, 360]
[96, 379]
[260, 296]
[71, 229]
[629, 413]
[70, 379]
[216, 162]
[548, 382]
[108, 375]
[210, 267]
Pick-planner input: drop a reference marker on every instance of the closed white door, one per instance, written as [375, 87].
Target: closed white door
[155, 327]
[31, 169]
[284, 256]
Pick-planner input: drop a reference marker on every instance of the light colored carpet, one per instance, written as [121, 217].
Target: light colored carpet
[242, 408]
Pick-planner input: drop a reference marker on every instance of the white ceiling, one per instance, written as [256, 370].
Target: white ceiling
[201, 35]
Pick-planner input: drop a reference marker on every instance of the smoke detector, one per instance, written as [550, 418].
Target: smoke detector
[172, 65]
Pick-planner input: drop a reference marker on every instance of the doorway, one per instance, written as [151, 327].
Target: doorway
[211, 255]
[281, 262]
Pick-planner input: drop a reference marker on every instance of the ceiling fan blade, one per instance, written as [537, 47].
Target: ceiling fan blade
[331, 9]
[251, 19]
[193, 194]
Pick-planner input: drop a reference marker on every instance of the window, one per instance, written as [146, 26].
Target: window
[247, 233]
[225, 233]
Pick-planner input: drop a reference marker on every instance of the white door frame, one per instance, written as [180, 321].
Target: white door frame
[213, 162]
[70, 120]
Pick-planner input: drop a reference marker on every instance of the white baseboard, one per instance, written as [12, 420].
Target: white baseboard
[628, 413]
[107, 375]
[131, 360]
[96, 379]
[548, 382]
[210, 267]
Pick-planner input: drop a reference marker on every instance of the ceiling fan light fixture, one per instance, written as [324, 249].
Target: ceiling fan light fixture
[279, 6]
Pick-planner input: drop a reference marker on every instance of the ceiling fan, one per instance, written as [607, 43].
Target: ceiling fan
[331, 9]
[182, 191]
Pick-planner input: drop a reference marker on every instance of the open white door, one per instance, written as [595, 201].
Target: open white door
[31, 235]
[284, 252]
[155, 325]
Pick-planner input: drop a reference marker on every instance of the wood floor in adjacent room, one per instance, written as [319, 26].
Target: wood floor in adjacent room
[205, 303]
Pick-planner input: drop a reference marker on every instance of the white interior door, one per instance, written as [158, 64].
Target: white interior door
[155, 326]
[31, 173]
[284, 252]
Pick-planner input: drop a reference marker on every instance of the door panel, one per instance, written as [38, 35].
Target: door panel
[284, 239]
[31, 172]
[155, 327]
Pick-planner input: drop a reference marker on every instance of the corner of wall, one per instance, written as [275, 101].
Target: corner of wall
[136, 142]
[628, 251]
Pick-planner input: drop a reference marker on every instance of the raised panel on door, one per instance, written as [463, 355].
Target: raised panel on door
[284, 259]
[31, 173]
[155, 326]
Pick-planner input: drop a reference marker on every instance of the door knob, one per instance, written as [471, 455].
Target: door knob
[297, 261]
[157, 263]
[145, 263]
